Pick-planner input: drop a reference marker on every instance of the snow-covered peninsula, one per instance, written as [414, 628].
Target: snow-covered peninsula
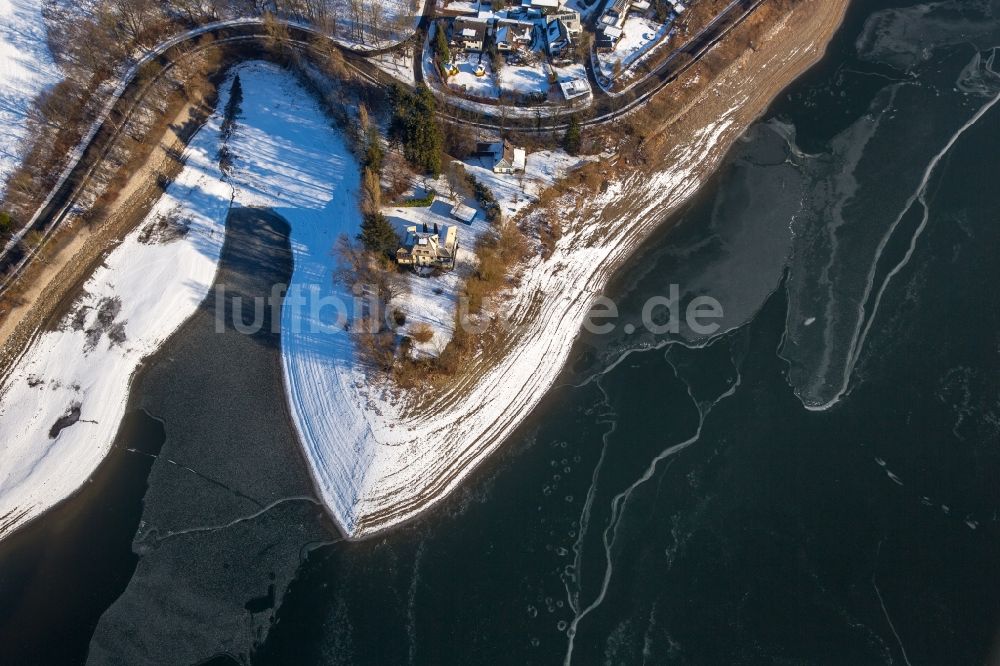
[380, 459]
[378, 455]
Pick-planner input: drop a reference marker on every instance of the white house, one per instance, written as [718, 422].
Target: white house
[574, 87]
[510, 159]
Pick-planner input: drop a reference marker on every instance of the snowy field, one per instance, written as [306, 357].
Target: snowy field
[639, 36]
[368, 25]
[524, 80]
[132, 303]
[26, 69]
[396, 64]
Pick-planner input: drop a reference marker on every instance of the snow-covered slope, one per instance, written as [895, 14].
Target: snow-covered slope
[26, 68]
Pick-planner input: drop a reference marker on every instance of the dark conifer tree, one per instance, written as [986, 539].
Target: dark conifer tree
[572, 138]
[378, 235]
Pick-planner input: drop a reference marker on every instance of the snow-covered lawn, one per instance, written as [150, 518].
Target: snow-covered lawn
[524, 80]
[470, 7]
[516, 191]
[466, 80]
[639, 36]
[26, 69]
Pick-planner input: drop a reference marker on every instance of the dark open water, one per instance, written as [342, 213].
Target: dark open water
[819, 484]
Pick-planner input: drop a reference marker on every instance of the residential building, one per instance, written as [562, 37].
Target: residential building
[486, 148]
[607, 39]
[429, 248]
[463, 213]
[468, 33]
[570, 18]
[543, 6]
[509, 159]
[573, 88]
[558, 37]
[512, 35]
[614, 16]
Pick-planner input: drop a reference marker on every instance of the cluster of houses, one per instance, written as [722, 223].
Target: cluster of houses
[611, 24]
[472, 25]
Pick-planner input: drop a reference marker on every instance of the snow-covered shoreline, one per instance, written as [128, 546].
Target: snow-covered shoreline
[436, 444]
[81, 372]
[375, 460]
[286, 157]
[411, 461]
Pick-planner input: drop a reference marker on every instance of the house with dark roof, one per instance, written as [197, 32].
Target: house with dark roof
[470, 34]
[558, 37]
[509, 159]
[512, 35]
